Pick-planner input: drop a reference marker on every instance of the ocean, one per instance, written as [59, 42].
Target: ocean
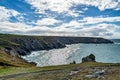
[106, 53]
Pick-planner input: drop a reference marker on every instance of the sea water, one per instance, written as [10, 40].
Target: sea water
[107, 53]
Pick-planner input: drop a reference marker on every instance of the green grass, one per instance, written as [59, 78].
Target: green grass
[6, 40]
[58, 67]
[5, 43]
[15, 70]
[8, 60]
[61, 72]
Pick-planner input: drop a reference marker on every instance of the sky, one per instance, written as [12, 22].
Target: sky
[85, 18]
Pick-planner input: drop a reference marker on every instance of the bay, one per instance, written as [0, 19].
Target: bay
[106, 53]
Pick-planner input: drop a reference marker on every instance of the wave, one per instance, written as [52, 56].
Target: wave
[117, 43]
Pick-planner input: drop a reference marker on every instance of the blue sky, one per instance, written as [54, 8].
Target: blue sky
[93, 18]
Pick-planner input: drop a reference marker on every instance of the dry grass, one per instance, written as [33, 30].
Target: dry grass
[8, 60]
[62, 72]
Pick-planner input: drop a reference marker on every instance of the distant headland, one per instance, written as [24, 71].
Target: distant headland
[23, 45]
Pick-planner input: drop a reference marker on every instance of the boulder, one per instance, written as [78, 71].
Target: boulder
[90, 58]
[97, 74]
[74, 62]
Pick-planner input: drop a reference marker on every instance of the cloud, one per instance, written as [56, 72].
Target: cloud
[47, 21]
[13, 27]
[101, 4]
[60, 6]
[94, 20]
[100, 30]
[73, 25]
[5, 14]
[54, 5]
[65, 5]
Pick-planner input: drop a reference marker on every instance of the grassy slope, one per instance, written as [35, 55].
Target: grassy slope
[7, 43]
[7, 60]
[61, 72]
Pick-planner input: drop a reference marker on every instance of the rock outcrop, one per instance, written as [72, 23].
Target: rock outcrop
[97, 74]
[23, 45]
[90, 58]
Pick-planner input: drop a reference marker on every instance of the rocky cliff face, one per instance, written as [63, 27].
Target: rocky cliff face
[32, 44]
[23, 45]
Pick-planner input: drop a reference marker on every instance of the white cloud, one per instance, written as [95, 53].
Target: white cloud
[73, 13]
[47, 21]
[85, 9]
[100, 30]
[64, 5]
[94, 20]
[60, 6]
[21, 28]
[5, 14]
[8, 26]
[72, 26]
[54, 5]
[101, 4]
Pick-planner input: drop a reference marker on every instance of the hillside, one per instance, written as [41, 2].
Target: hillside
[23, 45]
[12, 60]
[83, 71]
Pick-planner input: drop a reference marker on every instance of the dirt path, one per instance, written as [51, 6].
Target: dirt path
[27, 73]
[110, 72]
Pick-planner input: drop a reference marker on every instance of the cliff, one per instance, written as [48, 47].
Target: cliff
[11, 60]
[23, 45]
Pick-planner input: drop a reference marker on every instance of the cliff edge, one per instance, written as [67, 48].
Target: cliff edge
[23, 45]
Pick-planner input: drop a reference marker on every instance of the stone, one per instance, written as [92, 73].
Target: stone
[90, 76]
[90, 58]
[97, 74]
[74, 62]
[73, 72]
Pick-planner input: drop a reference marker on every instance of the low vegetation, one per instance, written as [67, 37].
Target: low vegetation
[9, 60]
[61, 72]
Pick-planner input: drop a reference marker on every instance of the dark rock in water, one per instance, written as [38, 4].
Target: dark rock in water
[74, 62]
[90, 58]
